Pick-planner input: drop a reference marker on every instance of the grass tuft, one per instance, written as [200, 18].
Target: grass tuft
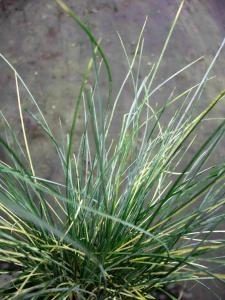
[133, 215]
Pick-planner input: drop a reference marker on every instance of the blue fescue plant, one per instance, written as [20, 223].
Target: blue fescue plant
[132, 215]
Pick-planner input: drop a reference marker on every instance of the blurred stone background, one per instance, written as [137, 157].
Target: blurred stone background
[49, 51]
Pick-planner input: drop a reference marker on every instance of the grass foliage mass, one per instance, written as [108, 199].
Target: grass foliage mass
[132, 215]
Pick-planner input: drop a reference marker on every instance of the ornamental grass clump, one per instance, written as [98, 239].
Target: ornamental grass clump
[131, 215]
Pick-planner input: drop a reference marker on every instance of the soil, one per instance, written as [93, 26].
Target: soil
[50, 53]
